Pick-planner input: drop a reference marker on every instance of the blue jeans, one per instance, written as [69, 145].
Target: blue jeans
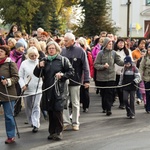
[9, 119]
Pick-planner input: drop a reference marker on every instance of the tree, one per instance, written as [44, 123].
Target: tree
[96, 17]
[19, 11]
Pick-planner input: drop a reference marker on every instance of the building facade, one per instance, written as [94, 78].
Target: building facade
[138, 22]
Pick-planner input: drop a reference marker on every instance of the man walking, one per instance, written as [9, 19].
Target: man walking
[78, 59]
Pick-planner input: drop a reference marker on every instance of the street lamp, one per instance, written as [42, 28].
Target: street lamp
[128, 17]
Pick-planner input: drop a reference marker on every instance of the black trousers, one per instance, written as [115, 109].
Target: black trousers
[129, 102]
[55, 122]
[84, 97]
[18, 105]
[107, 94]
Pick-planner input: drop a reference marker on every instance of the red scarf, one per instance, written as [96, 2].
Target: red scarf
[2, 61]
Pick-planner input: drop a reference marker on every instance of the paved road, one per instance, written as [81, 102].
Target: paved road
[97, 131]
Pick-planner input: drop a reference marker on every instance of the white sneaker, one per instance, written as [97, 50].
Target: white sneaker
[138, 101]
[75, 127]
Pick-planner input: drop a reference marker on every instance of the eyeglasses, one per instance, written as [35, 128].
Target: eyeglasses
[51, 48]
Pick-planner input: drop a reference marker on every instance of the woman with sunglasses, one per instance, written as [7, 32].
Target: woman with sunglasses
[33, 90]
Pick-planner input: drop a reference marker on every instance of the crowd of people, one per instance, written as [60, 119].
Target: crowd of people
[53, 75]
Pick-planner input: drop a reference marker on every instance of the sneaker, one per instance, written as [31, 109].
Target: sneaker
[138, 101]
[65, 127]
[132, 117]
[57, 137]
[121, 107]
[10, 140]
[50, 137]
[85, 110]
[35, 129]
[109, 113]
[75, 128]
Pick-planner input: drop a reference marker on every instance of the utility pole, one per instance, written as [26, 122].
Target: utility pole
[128, 18]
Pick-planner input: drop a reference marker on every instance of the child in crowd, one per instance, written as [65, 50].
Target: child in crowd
[129, 74]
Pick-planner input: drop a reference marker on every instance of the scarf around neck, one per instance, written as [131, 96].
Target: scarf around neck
[3, 60]
[51, 58]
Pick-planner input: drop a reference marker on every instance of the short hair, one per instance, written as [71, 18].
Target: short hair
[83, 42]
[58, 49]
[44, 33]
[12, 40]
[37, 44]
[32, 49]
[5, 48]
[70, 36]
[18, 34]
[40, 29]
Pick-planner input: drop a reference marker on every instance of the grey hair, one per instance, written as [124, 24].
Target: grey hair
[70, 36]
[58, 49]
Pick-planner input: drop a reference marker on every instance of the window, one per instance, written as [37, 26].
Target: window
[148, 2]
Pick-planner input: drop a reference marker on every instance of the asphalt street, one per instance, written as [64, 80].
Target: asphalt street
[97, 131]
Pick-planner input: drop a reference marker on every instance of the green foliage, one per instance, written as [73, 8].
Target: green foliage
[19, 11]
[54, 23]
[96, 17]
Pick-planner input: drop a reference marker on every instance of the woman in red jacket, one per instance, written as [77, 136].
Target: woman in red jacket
[84, 92]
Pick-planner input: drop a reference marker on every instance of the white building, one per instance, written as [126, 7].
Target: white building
[139, 16]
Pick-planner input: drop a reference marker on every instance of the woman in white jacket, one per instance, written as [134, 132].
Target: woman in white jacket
[33, 91]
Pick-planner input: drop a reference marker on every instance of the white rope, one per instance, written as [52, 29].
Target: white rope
[108, 87]
[142, 88]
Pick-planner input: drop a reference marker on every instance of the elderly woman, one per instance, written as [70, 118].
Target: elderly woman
[105, 75]
[9, 77]
[32, 102]
[54, 67]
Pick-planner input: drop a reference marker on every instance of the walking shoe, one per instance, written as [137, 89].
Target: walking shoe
[85, 110]
[104, 111]
[50, 137]
[132, 117]
[109, 113]
[10, 140]
[138, 101]
[122, 107]
[65, 127]
[35, 129]
[75, 128]
[57, 137]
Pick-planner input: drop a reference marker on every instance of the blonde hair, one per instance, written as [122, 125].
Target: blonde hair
[43, 46]
[37, 44]
[58, 49]
[83, 42]
[12, 40]
[30, 50]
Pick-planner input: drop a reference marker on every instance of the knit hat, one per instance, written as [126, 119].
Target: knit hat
[6, 49]
[19, 44]
[127, 59]
[106, 41]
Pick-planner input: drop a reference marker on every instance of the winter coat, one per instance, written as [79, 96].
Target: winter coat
[122, 54]
[144, 68]
[16, 57]
[130, 75]
[52, 98]
[78, 59]
[110, 57]
[26, 71]
[9, 70]
[96, 50]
